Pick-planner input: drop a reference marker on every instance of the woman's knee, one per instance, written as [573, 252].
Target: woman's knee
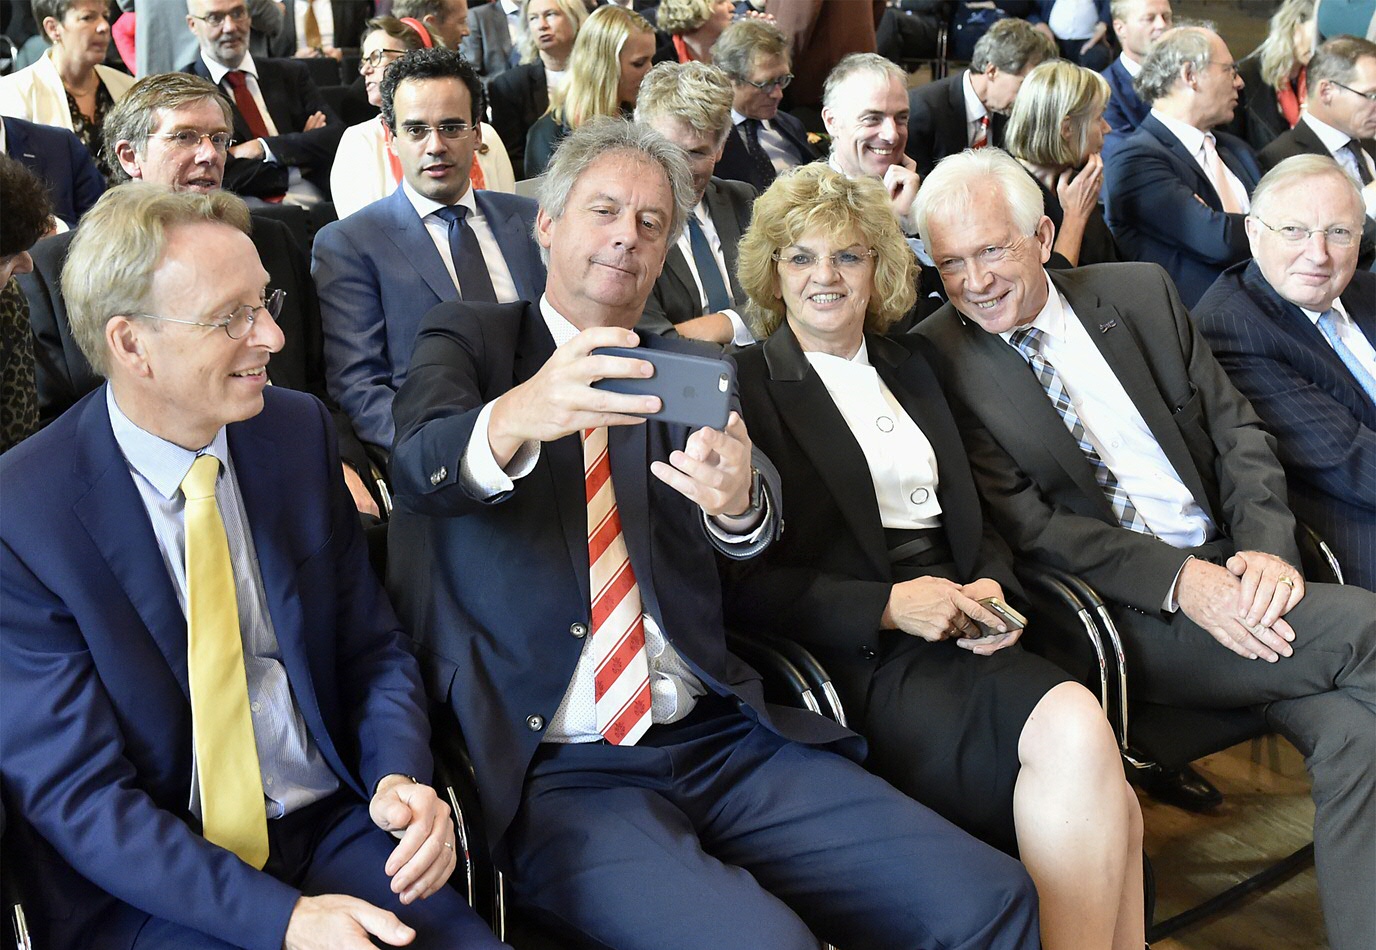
[1068, 729]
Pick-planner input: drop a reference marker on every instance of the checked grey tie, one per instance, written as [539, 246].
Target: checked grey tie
[1028, 341]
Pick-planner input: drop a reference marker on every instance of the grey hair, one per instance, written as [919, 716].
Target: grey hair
[603, 135]
[1336, 60]
[1013, 46]
[1304, 168]
[956, 178]
[744, 42]
[1183, 43]
[853, 63]
[693, 93]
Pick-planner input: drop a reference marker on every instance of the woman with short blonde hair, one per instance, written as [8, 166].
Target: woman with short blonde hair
[694, 26]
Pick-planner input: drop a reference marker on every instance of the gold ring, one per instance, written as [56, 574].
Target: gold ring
[449, 845]
[1285, 580]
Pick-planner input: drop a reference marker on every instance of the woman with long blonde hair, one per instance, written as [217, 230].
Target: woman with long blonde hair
[613, 52]
[1274, 76]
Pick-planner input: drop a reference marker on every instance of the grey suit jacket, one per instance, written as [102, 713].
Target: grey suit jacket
[675, 297]
[1040, 488]
[488, 43]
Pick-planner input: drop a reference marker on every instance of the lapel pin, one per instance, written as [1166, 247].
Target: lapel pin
[1105, 327]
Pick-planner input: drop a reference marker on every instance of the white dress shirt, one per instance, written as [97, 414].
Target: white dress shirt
[775, 146]
[1193, 140]
[902, 463]
[1133, 67]
[740, 333]
[974, 112]
[1116, 429]
[324, 19]
[502, 283]
[1073, 19]
[1349, 333]
[1335, 141]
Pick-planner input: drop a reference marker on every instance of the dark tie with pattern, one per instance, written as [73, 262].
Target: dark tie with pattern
[1359, 158]
[764, 168]
[1028, 342]
[718, 297]
[475, 283]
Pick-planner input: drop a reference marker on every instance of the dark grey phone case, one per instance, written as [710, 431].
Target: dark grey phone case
[694, 390]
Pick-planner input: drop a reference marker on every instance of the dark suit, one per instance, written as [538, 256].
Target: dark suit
[1163, 208]
[735, 163]
[292, 97]
[349, 19]
[1125, 110]
[1324, 423]
[827, 582]
[519, 96]
[1302, 140]
[58, 157]
[378, 273]
[938, 125]
[1257, 119]
[98, 753]
[488, 43]
[675, 296]
[1042, 495]
[496, 646]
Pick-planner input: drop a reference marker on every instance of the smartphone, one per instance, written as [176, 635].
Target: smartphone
[693, 390]
[1013, 619]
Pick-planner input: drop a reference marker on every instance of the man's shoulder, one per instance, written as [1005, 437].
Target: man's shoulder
[934, 96]
[1288, 143]
[50, 254]
[471, 320]
[738, 192]
[364, 222]
[38, 472]
[508, 204]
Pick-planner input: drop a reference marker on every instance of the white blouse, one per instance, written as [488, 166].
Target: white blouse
[901, 460]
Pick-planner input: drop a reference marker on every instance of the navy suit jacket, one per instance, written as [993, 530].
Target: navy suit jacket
[58, 157]
[735, 163]
[1163, 208]
[937, 126]
[1125, 110]
[493, 589]
[291, 97]
[93, 678]
[1324, 423]
[378, 273]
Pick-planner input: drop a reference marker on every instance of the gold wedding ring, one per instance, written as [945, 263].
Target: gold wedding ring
[1286, 581]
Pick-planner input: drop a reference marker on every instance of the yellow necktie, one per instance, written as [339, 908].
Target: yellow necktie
[313, 37]
[232, 811]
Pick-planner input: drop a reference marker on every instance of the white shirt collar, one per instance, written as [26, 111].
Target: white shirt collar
[1133, 68]
[164, 464]
[1332, 139]
[1189, 136]
[1050, 320]
[510, 7]
[824, 362]
[1337, 306]
[974, 109]
[218, 70]
[559, 326]
[427, 206]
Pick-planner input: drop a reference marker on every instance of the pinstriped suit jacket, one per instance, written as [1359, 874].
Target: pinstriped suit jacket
[1324, 423]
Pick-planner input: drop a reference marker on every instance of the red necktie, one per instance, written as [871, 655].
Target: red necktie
[621, 688]
[243, 99]
[982, 136]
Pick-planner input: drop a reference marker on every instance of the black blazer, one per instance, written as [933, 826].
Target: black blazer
[518, 97]
[826, 581]
[1324, 424]
[674, 297]
[1257, 120]
[291, 97]
[349, 19]
[1098, 246]
[492, 589]
[937, 125]
[735, 162]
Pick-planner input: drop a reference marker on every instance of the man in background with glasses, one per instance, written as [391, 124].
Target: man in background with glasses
[280, 116]
[1107, 441]
[432, 240]
[763, 140]
[214, 733]
[1296, 330]
[1176, 192]
[173, 130]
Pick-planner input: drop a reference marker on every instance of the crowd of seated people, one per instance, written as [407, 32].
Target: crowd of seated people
[1101, 301]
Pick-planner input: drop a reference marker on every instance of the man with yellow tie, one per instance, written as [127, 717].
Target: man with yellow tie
[211, 723]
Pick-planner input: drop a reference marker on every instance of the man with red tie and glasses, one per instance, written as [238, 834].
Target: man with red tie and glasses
[553, 552]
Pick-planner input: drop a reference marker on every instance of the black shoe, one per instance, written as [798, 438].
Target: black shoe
[1183, 787]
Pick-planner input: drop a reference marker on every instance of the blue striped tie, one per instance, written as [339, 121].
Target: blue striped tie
[1328, 325]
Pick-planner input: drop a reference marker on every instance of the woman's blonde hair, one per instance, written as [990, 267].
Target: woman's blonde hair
[1277, 51]
[1055, 90]
[815, 197]
[682, 16]
[595, 66]
[576, 11]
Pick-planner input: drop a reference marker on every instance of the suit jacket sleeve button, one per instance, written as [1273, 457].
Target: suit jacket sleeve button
[578, 630]
[535, 723]
[439, 475]
[867, 652]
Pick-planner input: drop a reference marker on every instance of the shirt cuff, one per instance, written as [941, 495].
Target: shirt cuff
[479, 472]
[267, 152]
[727, 536]
[740, 333]
[1172, 601]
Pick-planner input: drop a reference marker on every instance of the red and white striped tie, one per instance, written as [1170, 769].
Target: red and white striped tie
[982, 136]
[621, 688]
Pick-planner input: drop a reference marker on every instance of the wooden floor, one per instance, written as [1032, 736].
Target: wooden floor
[1266, 814]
